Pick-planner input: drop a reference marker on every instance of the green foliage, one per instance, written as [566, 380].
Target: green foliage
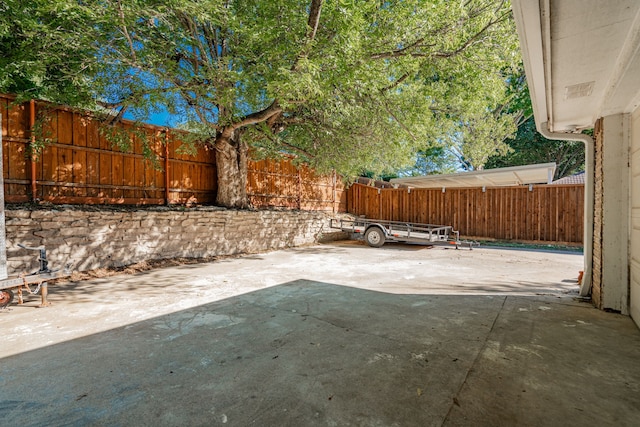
[43, 135]
[48, 51]
[367, 88]
[124, 138]
[519, 99]
[433, 160]
[530, 147]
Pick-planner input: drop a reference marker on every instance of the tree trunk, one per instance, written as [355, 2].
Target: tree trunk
[231, 164]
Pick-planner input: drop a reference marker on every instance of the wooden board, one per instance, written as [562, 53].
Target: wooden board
[81, 165]
[544, 213]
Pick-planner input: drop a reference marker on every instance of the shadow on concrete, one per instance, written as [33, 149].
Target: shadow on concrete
[154, 283]
[312, 353]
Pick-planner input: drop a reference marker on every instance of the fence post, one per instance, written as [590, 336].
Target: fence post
[333, 205]
[299, 188]
[3, 241]
[32, 123]
[166, 167]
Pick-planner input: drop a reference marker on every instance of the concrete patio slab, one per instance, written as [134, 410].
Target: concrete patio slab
[553, 364]
[339, 334]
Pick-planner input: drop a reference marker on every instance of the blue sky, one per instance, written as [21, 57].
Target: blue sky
[160, 119]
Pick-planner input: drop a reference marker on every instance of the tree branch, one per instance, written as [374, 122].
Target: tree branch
[314, 18]
[402, 125]
[411, 49]
[274, 109]
[133, 95]
[471, 40]
[118, 117]
[126, 32]
[254, 118]
[396, 83]
[297, 149]
[399, 52]
[210, 37]
[197, 108]
[312, 28]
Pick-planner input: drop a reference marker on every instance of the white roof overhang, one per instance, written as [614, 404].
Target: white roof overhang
[581, 57]
[516, 175]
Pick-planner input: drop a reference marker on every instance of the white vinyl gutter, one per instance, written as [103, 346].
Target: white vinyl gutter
[532, 22]
[589, 167]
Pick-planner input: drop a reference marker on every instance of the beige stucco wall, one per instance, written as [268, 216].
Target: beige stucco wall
[634, 247]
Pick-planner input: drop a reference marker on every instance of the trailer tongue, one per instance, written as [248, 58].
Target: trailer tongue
[376, 232]
[38, 278]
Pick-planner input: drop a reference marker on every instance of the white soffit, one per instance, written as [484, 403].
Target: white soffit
[582, 58]
[516, 175]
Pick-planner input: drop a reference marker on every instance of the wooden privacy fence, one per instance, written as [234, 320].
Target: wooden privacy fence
[280, 183]
[82, 166]
[540, 213]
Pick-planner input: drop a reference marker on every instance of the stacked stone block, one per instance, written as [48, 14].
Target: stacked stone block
[95, 238]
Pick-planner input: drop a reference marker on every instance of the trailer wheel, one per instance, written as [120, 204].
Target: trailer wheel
[6, 296]
[374, 237]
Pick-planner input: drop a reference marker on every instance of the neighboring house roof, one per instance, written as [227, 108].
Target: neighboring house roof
[572, 179]
[516, 175]
[376, 183]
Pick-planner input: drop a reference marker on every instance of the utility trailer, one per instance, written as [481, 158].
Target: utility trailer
[376, 232]
[39, 278]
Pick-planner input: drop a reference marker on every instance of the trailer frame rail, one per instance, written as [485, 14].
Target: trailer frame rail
[376, 232]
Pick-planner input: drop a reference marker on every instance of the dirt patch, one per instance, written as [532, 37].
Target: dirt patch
[78, 276]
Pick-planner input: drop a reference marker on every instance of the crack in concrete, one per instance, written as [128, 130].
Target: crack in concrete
[385, 337]
[455, 401]
[307, 315]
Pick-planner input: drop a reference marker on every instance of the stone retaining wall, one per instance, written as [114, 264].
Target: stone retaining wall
[94, 238]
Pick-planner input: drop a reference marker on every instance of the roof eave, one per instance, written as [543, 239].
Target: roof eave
[528, 23]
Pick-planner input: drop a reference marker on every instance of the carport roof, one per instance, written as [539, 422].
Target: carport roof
[541, 173]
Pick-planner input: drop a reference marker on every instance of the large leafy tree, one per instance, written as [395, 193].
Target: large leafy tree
[430, 161]
[530, 147]
[343, 84]
[47, 51]
[483, 135]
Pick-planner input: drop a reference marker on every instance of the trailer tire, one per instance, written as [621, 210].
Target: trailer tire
[6, 296]
[374, 237]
